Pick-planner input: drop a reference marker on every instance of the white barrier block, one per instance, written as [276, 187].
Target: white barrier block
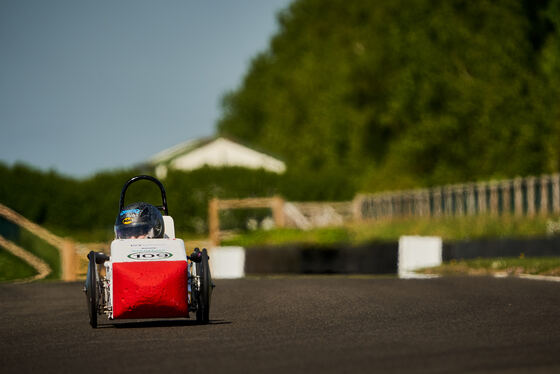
[416, 252]
[227, 262]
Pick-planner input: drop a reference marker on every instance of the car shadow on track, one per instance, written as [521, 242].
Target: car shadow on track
[160, 323]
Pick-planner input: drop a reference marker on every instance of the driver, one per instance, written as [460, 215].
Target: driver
[139, 221]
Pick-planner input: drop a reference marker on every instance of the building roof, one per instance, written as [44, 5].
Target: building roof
[214, 152]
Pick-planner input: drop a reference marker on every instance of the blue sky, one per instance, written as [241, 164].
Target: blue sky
[87, 86]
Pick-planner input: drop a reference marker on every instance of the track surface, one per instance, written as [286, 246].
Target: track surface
[313, 325]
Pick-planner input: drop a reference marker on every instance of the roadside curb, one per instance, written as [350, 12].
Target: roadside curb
[546, 278]
[549, 278]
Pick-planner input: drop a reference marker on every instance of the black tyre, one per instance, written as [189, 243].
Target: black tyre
[91, 290]
[205, 291]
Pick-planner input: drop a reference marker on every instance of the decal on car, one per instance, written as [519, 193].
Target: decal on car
[148, 256]
[131, 211]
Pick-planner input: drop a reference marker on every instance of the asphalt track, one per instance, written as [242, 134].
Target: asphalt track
[297, 325]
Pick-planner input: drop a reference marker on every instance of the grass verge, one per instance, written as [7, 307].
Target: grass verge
[41, 249]
[12, 267]
[449, 228]
[488, 266]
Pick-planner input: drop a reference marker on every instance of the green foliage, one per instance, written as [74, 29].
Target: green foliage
[12, 267]
[356, 96]
[399, 94]
[86, 209]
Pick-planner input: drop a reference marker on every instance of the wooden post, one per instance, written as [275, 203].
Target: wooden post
[556, 193]
[494, 199]
[518, 196]
[422, 199]
[543, 210]
[448, 197]
[471, 207]
[407, 199]
[397, 205]
[357, 204]
[69, 261]
[377, 206]
[278, 211]
[459, 200]
[436, 196]
[214, 221]
[531, 196]
[506, 197]
[482, 205]
[426, 200]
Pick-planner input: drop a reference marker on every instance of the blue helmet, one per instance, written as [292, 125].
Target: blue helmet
[139, 220]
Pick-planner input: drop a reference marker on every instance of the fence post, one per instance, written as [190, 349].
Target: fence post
[372, 210]
[530, 196]
[471, 208]
[427, 208]
[460, 199]
[408, 199]
[482, 205]
[436, 196]
[517, 182]
[423, 198]
[448, 200]
[69, 261]
[278, 211]
[214, 221]
[357, 208]
[543, 210]
[556, 193]
[506, 196]
[396, 205]
[390, 206]
[494, 199]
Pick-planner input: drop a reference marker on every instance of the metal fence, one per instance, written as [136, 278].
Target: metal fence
[528, 196]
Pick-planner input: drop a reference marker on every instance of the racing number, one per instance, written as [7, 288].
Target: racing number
[149, 255]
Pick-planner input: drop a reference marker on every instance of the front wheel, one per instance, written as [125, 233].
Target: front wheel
[91, 288]
[205, 289]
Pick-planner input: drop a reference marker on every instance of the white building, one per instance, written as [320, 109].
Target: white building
[214, 152]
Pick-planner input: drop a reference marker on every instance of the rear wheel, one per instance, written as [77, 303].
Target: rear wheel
[91, 288]
[205, 289]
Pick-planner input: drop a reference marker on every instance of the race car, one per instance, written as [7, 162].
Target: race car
[148, 274]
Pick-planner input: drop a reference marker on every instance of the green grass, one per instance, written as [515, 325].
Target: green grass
[452, 228]
[12, 267]
[284, 236]
[41, 249]
[508, 265]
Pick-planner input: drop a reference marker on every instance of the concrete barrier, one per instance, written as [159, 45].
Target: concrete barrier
[403, 257]
[370, 258]
[227, 262]
[416, 252]
[501, 247]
